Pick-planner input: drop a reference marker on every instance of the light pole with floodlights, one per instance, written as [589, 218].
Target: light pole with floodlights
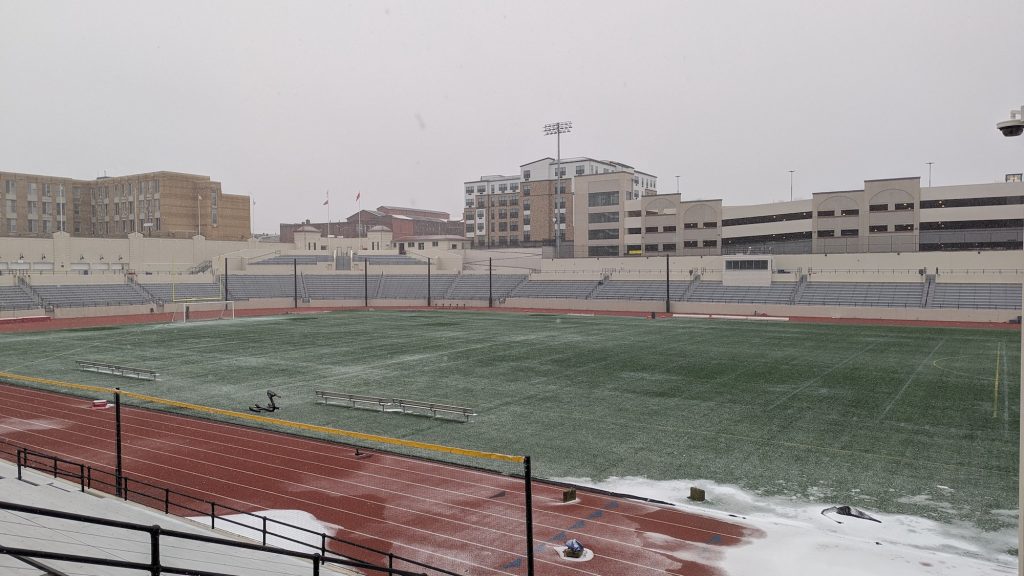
[791, 185]
[558, 128]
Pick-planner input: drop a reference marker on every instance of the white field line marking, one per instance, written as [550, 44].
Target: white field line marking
[819, 377]
[910, 379]
[995, 383]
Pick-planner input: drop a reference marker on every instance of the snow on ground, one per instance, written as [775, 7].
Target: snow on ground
[249, 526]
[800, 541]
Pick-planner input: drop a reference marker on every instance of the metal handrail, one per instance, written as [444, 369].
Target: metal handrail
[88, 476]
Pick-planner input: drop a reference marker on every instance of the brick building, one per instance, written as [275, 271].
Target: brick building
[403, 222]
[158, 204]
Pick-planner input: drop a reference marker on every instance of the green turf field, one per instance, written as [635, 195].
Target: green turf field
[913, 420]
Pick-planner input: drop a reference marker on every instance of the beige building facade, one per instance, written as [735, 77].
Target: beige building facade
[156, 204]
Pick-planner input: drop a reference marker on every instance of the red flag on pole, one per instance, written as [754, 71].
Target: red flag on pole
[358, 194]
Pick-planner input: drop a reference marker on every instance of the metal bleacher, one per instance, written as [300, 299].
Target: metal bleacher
[338, 287]
[989, 296]
[301, 259]
[388, 260]
[880, 294]
[706, 291]
[640, 290]
[475, 286]
[555, 289]
[82, 295]
[414, 286]
[16, 298]
[166, 292]
[251, 287]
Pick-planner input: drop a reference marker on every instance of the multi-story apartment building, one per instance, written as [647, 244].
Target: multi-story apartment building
[521, 210]
[889, 215]
[159, 204]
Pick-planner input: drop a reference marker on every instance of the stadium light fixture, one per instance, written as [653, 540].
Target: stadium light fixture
[557, 129]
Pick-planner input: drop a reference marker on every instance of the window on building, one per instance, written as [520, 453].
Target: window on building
[746, 265]
[902, 206]
[610, 234]
[12, 225]
[633, 250]
[513, 226]
[711, 224]
[526, 189]
[904, 227]
[599, 250]
[579, 170]
[633, 230]
[826, 213]
[526, 220]
[689, 243]
[33, 208]
[850, 232]
[32, 226]
[710, 243]
[785, 217]
[526, 175]
[668, 247]
[849, 212]
[962, 202]
[9, 187]
[469, 189]
[878, 228]
[502, 187]
[826, 233]
[526, 236]
[503, 227]
[650, 248]
[879, 208]
[634, 214]
[689, 226]
[481, 189]
[650, 229]
[514, 186]
[668, 228]
[595, 199]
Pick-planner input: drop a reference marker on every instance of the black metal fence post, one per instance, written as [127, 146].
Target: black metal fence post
[295, 282]
[428, 282]
[668, 289]
[490, 283]
[527, 475]
[366, 282]
[118, 470]
[154, 550]
[226, 297]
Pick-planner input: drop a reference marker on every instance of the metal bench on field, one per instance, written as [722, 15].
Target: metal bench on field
[432, 409]
[127, 372]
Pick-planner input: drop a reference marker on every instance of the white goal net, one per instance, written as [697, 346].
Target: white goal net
[203, 310]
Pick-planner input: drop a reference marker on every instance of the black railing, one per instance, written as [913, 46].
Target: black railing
[181, 504]
[156, 534]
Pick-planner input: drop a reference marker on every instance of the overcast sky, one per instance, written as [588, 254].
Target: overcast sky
[404, 101]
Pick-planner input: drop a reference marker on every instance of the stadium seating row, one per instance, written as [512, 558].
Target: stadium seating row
[312, 287]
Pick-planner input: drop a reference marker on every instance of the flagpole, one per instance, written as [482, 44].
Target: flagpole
[328, 213]
[359, 219]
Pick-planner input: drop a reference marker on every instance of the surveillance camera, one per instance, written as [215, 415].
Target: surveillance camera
[1011, 127]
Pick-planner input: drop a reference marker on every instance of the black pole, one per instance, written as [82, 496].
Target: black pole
[295, 282]
[118, 471]
[490, 293]
[226, 279]
[668, 290]
[366, 283]
[428, 282]
[529, 515]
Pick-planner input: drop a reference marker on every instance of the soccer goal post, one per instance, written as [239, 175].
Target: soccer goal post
[203, 310]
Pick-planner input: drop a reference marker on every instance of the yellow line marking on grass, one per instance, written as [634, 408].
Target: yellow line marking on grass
[995, 387]
[267, 420]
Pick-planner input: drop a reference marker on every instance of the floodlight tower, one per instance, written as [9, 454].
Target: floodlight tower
[558, 128]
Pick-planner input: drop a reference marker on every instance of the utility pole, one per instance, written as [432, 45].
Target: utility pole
[558, 128]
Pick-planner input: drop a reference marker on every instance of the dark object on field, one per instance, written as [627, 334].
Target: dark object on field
[696, 494]
[849, 511]
[568, 495]
[271, 407]
[573, 548]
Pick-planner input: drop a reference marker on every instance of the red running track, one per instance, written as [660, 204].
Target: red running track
[462, 520]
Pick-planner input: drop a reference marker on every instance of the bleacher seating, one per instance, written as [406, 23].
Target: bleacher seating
[166, 292]
[16, 298]
[301, 259]
[987, 296]
[338, 286]
[555, 289]
[640, 290]
[388, 259]
[881, 294]
[708, 291]
[81, 295]
[249, 287]
[414, 286]
[475, 286]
